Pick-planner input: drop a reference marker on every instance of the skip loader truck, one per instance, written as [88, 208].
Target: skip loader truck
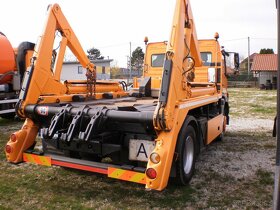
[146, 135]
[13, 63]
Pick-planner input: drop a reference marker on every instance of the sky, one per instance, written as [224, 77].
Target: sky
[111, 25]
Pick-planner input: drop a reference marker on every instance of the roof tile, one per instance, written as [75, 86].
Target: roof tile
[264, 62]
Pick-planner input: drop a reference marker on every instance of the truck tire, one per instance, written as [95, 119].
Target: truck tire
[186, 149]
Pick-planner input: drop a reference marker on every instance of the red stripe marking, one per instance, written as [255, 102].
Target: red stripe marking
[81, 167]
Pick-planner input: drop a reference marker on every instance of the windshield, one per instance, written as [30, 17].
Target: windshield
[206, 58]
[157, 60]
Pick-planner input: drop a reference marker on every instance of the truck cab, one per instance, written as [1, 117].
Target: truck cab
[153, 63]
[212, 69]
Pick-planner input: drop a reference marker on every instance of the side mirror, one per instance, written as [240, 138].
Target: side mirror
[231, 62]
[236, 61]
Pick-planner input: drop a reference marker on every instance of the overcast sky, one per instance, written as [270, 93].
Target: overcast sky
[110, 25]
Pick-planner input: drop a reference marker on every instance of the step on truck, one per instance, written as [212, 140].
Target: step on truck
[146, 135]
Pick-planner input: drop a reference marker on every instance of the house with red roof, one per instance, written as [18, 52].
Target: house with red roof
[244, 63]
[264, 67]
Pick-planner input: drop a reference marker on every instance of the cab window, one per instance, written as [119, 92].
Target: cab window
[206, 58]
[157, 60]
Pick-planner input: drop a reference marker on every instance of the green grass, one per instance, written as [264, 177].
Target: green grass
[265, 177]
[236, 193]
[56, 188]
[251, 102]
[261, 109]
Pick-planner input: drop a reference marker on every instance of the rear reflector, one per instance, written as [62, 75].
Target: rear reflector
[126, 175]
[38, 159]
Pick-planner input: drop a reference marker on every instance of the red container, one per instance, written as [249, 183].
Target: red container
[7, 59]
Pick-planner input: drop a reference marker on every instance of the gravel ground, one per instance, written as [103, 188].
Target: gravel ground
[252, 154]
[229, 172]
[250, 124]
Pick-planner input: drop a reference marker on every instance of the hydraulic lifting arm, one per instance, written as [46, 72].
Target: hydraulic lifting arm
[43, 77]
[182, 56]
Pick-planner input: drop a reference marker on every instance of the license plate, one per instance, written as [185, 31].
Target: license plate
[140, 149]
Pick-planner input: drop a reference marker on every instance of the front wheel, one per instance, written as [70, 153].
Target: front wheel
[186, 150]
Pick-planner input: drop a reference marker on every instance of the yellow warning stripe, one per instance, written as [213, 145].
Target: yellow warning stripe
[126, 175]
[38, 159]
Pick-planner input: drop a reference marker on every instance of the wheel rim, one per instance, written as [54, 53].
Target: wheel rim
[188, 154]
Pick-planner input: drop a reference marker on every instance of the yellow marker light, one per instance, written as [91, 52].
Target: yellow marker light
[146, 40]
[155, 158]
[217, 36]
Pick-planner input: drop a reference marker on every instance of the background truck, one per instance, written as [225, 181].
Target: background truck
[147, 135]
[13, 64]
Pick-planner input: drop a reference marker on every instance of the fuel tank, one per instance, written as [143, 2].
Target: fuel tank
[7, 59]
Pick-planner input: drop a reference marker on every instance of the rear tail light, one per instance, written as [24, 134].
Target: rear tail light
[151, 173]
[8, 149]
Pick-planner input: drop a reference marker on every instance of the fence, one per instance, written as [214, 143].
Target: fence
[243, 80]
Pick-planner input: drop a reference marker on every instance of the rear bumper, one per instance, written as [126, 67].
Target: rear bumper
[112, 171]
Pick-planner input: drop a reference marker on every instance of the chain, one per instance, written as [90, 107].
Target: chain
[91, 82]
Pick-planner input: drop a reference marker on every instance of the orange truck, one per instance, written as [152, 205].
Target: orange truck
[13, 63]
[147, 135]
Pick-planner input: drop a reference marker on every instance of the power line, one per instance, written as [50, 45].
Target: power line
[120, 44]
[229, 40]
[265, 38]
[245, 38]
[114, 45]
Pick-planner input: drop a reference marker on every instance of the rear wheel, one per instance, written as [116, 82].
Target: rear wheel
[186, 149]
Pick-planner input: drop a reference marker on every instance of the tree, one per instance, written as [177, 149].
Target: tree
[266, 51]
[115, 71]
[137, 59]
[94, 54]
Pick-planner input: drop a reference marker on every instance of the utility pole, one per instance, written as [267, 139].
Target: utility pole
[276, 199]
[130, 68]
[248, 57]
